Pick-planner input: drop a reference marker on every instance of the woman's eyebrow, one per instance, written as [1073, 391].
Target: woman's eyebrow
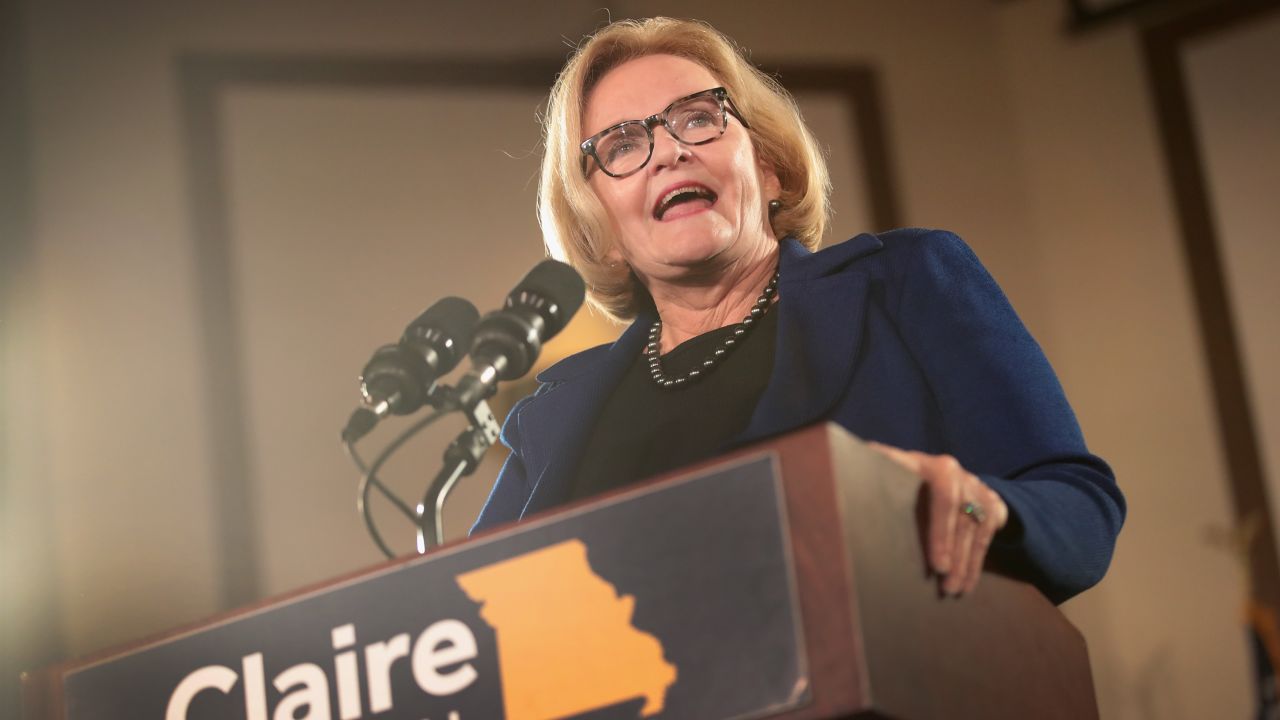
[637, 118]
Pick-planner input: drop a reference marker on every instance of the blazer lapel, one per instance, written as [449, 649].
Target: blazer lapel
[557, 423]
[821, 312]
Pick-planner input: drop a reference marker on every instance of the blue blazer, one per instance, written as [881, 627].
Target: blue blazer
[902, 338]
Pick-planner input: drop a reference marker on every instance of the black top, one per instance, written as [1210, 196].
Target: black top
[644, 430]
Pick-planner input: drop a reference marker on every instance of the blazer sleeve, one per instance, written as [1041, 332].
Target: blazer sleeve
[1005, 417]
[511, 490]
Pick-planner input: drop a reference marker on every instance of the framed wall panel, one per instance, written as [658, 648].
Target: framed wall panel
[333, 198]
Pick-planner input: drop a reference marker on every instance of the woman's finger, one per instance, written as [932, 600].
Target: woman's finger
[957, 540]
[978, 555]
[963, 542]
[938, 535]
[982, 527]
[997, 514]
[946, 482]
[944, 504]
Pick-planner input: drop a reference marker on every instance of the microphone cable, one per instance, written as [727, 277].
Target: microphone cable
[369, 478]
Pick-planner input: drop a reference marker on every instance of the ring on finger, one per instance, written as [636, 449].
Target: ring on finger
[974, 512]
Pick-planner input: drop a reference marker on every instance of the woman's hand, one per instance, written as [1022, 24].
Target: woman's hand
[963, 515]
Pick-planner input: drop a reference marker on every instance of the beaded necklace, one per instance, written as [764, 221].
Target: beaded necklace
[653, 353]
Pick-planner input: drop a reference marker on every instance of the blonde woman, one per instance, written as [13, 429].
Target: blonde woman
[684, 186]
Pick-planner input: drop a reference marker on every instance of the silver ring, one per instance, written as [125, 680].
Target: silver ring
[975, 512]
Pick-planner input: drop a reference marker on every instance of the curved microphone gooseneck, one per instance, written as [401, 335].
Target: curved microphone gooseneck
[398, 380]
[505, 346]
[401, 378]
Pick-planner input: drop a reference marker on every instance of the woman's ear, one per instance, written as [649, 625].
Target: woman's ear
[770, 185]
[613, 257]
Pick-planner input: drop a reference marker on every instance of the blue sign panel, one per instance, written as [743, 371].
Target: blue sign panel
[674, 601]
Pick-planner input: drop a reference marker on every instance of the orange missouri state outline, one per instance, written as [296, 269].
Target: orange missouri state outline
[565, 640]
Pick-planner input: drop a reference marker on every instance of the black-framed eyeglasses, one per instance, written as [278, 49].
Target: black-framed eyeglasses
[696, 119]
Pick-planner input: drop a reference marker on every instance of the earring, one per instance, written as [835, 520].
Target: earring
[775, 205]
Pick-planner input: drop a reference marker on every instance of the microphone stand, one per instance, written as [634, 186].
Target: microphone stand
[503, 344]
[461, 458]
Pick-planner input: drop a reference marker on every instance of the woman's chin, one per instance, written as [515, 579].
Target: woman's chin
[694, 249]
[686, 233]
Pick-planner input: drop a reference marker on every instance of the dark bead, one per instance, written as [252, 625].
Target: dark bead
[719, 353]
[680, 382]
[739, 333]
[747, 322]
[757, 312]
[769, 291]
[694, 374]
[708, 363]
[668, 383]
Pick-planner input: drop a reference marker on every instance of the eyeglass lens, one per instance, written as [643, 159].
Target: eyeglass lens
[694, 121]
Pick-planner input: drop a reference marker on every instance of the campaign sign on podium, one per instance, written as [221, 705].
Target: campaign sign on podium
[675, 600]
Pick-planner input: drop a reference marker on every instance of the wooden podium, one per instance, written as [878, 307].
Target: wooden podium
[786, 579]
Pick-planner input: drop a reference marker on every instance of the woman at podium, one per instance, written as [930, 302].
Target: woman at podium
[684, 186]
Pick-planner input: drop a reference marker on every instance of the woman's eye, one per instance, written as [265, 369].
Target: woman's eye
[697, 119]
[622, 147]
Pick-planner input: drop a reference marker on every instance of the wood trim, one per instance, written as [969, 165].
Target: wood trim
[1163, 43]
[1085, 18]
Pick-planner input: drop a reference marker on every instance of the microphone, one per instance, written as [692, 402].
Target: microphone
[507, 341]
[398, 378]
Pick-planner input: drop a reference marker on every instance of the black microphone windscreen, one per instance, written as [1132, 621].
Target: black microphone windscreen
[453, 321]
[554, 282]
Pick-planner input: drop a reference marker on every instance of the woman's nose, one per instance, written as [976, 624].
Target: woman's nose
[667, 150]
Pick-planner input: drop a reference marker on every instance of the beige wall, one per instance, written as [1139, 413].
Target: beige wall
[1125, 342]
[1040, 148]
[1238, 114]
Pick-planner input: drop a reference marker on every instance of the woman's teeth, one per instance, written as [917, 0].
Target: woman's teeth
[683, 194]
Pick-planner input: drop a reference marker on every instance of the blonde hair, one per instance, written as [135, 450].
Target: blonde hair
[575, 224]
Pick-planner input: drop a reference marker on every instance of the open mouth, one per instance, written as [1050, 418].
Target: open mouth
[692, 194]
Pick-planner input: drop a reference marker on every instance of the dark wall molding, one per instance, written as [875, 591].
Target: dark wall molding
[1086, 15]
[1163, 43]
